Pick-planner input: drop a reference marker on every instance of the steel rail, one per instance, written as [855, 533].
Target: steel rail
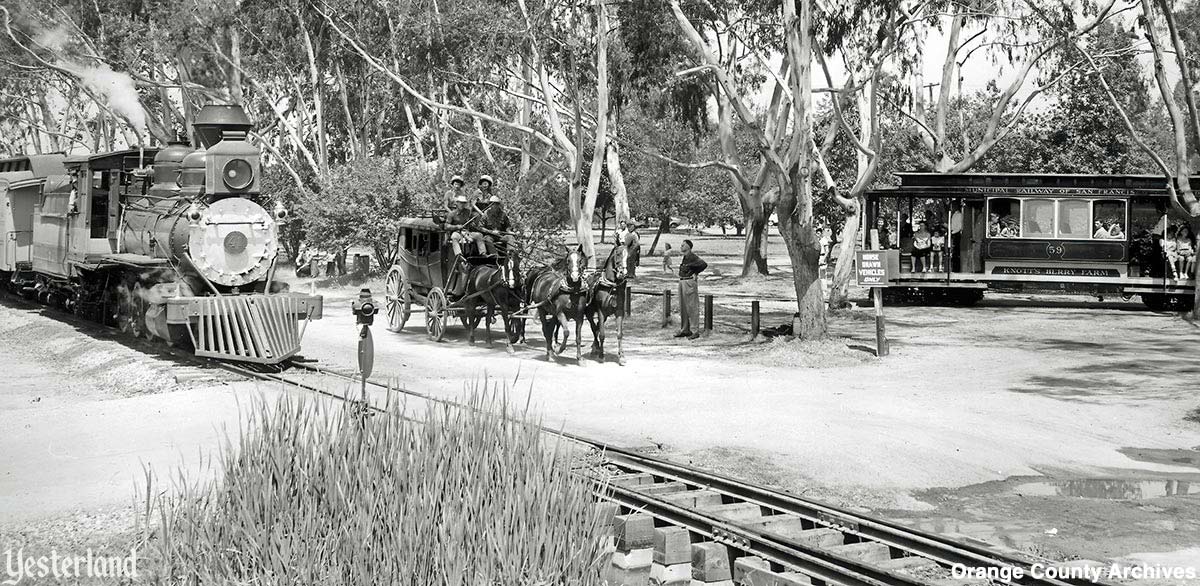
[825, 565]
[828, 566]
[938, 548]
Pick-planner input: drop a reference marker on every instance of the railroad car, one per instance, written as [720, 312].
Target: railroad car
[1090, 234]
[168, 243]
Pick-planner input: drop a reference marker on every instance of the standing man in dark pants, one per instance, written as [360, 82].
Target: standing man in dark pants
[690, 267]
[634, 243]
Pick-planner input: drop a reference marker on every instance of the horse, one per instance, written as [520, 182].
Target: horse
[608, 291]
[559, 294]
[495, 287]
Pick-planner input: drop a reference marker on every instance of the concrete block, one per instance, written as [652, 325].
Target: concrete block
[637, 558]
[819, 538]
[734, 511]
[631, 480]
[614, 576]
[672, 545]
[867, 551]
[676, 574]
[693, 499]
[710, 563]
[663, 488]
[755, 571]
[907, 563]
[633, 531]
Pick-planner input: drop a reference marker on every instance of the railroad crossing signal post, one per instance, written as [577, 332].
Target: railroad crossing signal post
[365, 308]
[876, 269]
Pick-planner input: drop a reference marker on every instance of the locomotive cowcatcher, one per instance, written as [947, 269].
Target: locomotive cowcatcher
[182, 250]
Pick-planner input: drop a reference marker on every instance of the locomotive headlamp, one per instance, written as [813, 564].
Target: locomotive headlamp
[281, 213]
[237, 174]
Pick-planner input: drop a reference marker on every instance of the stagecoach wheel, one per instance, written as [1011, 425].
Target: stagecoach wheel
[398, 292]
[436, 313]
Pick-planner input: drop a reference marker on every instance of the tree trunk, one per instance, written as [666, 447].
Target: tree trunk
[344, 96]
[412, 127]
[663, 223]
[839, 288]
[754, 253]
[620, 194]
[804, 251]
[796, 199]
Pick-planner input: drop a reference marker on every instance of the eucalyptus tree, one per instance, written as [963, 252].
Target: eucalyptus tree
[541, 73]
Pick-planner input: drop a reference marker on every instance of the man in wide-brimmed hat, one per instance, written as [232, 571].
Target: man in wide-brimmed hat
[456, 185]
[463, 224]
[496, 226]
[633, 243]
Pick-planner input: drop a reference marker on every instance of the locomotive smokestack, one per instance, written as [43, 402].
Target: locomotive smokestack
[214, 120]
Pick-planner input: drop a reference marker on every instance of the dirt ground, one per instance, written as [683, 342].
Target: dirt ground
[1055, 425]
[953, 432]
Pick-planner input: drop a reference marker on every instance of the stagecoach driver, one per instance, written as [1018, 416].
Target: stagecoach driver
[463, 223]
[496, 225]
[452, 194]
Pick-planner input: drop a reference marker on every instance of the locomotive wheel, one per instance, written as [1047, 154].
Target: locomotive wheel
[436, 312]
[398, 292]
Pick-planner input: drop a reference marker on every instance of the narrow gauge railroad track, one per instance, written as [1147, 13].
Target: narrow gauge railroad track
[779, 539]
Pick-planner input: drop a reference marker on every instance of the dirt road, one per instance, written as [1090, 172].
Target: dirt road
[986, 396]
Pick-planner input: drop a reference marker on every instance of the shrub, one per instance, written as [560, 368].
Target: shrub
[313, 494]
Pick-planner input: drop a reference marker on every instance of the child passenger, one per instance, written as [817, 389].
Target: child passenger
[1185, 250]
[939, 246]
[1171, 250]
[668, 253]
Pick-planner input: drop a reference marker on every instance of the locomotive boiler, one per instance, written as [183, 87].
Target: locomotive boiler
[182, 250]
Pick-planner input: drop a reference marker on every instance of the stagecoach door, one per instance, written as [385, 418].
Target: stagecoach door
[974, 228]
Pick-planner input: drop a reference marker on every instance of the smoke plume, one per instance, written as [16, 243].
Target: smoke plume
[116, 89]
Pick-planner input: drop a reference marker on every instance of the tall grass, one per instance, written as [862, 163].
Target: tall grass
[315, 494]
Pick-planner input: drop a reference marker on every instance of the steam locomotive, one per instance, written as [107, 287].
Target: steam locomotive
[182, 250]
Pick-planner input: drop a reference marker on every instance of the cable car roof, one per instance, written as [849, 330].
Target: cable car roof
[944, 185]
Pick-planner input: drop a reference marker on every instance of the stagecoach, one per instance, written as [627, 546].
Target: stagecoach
[422, 274]
[1092, 234]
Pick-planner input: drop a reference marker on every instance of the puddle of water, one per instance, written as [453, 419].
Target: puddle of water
[1008, 533]
[1095, 488]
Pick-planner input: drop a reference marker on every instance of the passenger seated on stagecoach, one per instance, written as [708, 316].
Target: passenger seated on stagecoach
[463, 223]
[1115, 231]
[496, 225]
[452, 194]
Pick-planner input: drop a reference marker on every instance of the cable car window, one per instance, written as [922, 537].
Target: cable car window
[1037, 218]
[1074, 218]
[1004, 217]
[1108, 220]
[1145, 216]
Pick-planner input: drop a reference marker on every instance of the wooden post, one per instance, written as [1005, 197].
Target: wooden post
[754, 325]
[628, 301]
[666, 308]
[881, 342]
[708, 312]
